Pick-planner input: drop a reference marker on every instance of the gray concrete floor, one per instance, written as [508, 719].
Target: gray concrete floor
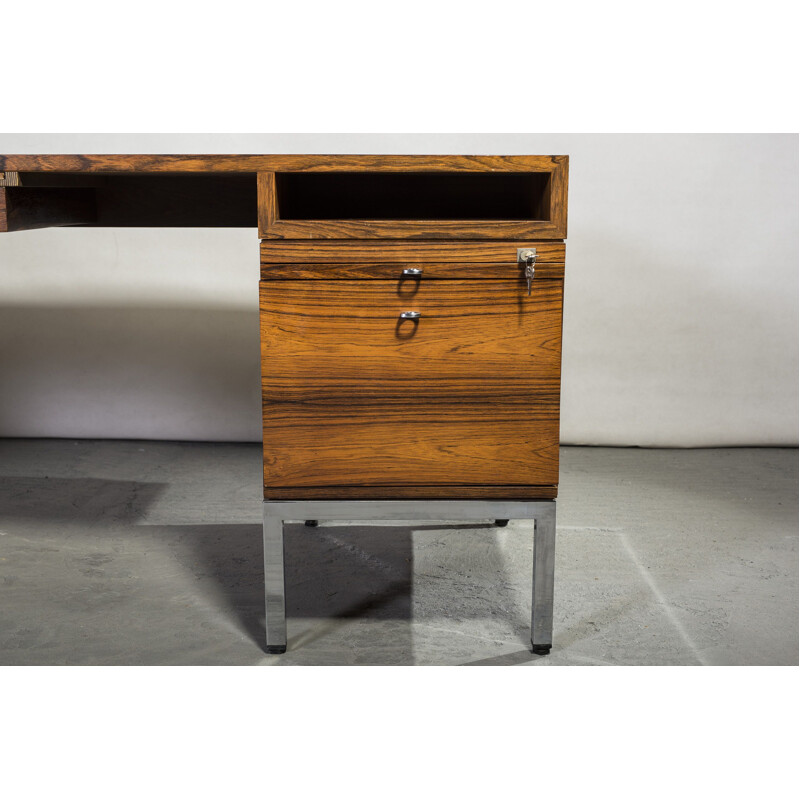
[150, 553]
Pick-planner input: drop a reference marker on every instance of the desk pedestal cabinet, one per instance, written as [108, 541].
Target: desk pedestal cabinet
[410, 313]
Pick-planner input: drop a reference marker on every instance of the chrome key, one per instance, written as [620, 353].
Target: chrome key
[528, 257]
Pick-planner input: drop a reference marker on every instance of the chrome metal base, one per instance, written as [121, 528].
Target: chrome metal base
[543, 512]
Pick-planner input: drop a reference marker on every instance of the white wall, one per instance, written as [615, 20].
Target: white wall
[680, 321]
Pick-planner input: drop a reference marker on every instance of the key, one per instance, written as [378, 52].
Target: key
[527, 257]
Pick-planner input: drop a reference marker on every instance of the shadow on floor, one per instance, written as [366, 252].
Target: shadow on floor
[505, 660]
[333, 573]
[87, 501]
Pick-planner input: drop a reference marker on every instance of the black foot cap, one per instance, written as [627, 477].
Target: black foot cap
[311, 523]
[276, 650]
[541, 649]
[501, 523]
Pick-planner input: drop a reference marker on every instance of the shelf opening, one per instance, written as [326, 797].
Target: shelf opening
[413, 196]
[158, 200]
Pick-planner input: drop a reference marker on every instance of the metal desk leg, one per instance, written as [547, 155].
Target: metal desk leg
[544, 552]
[274, 584]
[542, 512]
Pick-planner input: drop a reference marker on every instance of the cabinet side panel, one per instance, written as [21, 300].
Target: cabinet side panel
[267, 203]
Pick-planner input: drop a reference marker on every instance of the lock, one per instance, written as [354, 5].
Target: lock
[527, 256]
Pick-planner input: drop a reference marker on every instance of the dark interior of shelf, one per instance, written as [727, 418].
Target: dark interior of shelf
[163, 200]
[414, 195]
[228, 200]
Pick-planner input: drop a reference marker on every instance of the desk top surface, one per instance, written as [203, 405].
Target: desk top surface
[276, 163]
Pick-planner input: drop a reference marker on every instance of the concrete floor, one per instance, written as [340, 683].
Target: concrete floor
[150, 553]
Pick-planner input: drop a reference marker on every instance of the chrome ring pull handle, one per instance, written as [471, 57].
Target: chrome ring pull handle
[410, 315]
[412, 272]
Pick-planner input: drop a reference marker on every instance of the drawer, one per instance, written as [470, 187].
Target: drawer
[471, 340]
[404, 274]
[404, 260]
[276, 252]
[356, 397]
[423, 447]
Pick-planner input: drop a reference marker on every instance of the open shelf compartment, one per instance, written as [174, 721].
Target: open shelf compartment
[413, 195]
[490, 204]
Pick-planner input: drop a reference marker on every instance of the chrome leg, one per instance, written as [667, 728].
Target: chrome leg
[274, 583]
[542, 512]
[544, 553]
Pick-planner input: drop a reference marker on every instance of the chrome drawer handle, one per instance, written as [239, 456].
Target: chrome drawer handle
[410, 315]
[412, 272]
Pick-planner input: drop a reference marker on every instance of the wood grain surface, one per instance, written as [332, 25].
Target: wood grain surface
[272, 226]
[394, 252]
[466, 396]
[370, 451]
[443, 492]
[346, 338]
[411, 229]
[454, 271]
[31, 169]
[267, 211]
[278, 163]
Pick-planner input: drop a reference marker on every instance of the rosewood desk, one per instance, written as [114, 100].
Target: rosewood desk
[411, 314]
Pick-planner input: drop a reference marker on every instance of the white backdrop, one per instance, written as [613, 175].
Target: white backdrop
[680, 320]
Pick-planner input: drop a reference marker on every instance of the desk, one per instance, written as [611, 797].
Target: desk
[411, 312]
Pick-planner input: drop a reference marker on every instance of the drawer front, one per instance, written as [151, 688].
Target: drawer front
[321, 339]
[465, 394]
[274, 252]
[410, 271]
[423, 445]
